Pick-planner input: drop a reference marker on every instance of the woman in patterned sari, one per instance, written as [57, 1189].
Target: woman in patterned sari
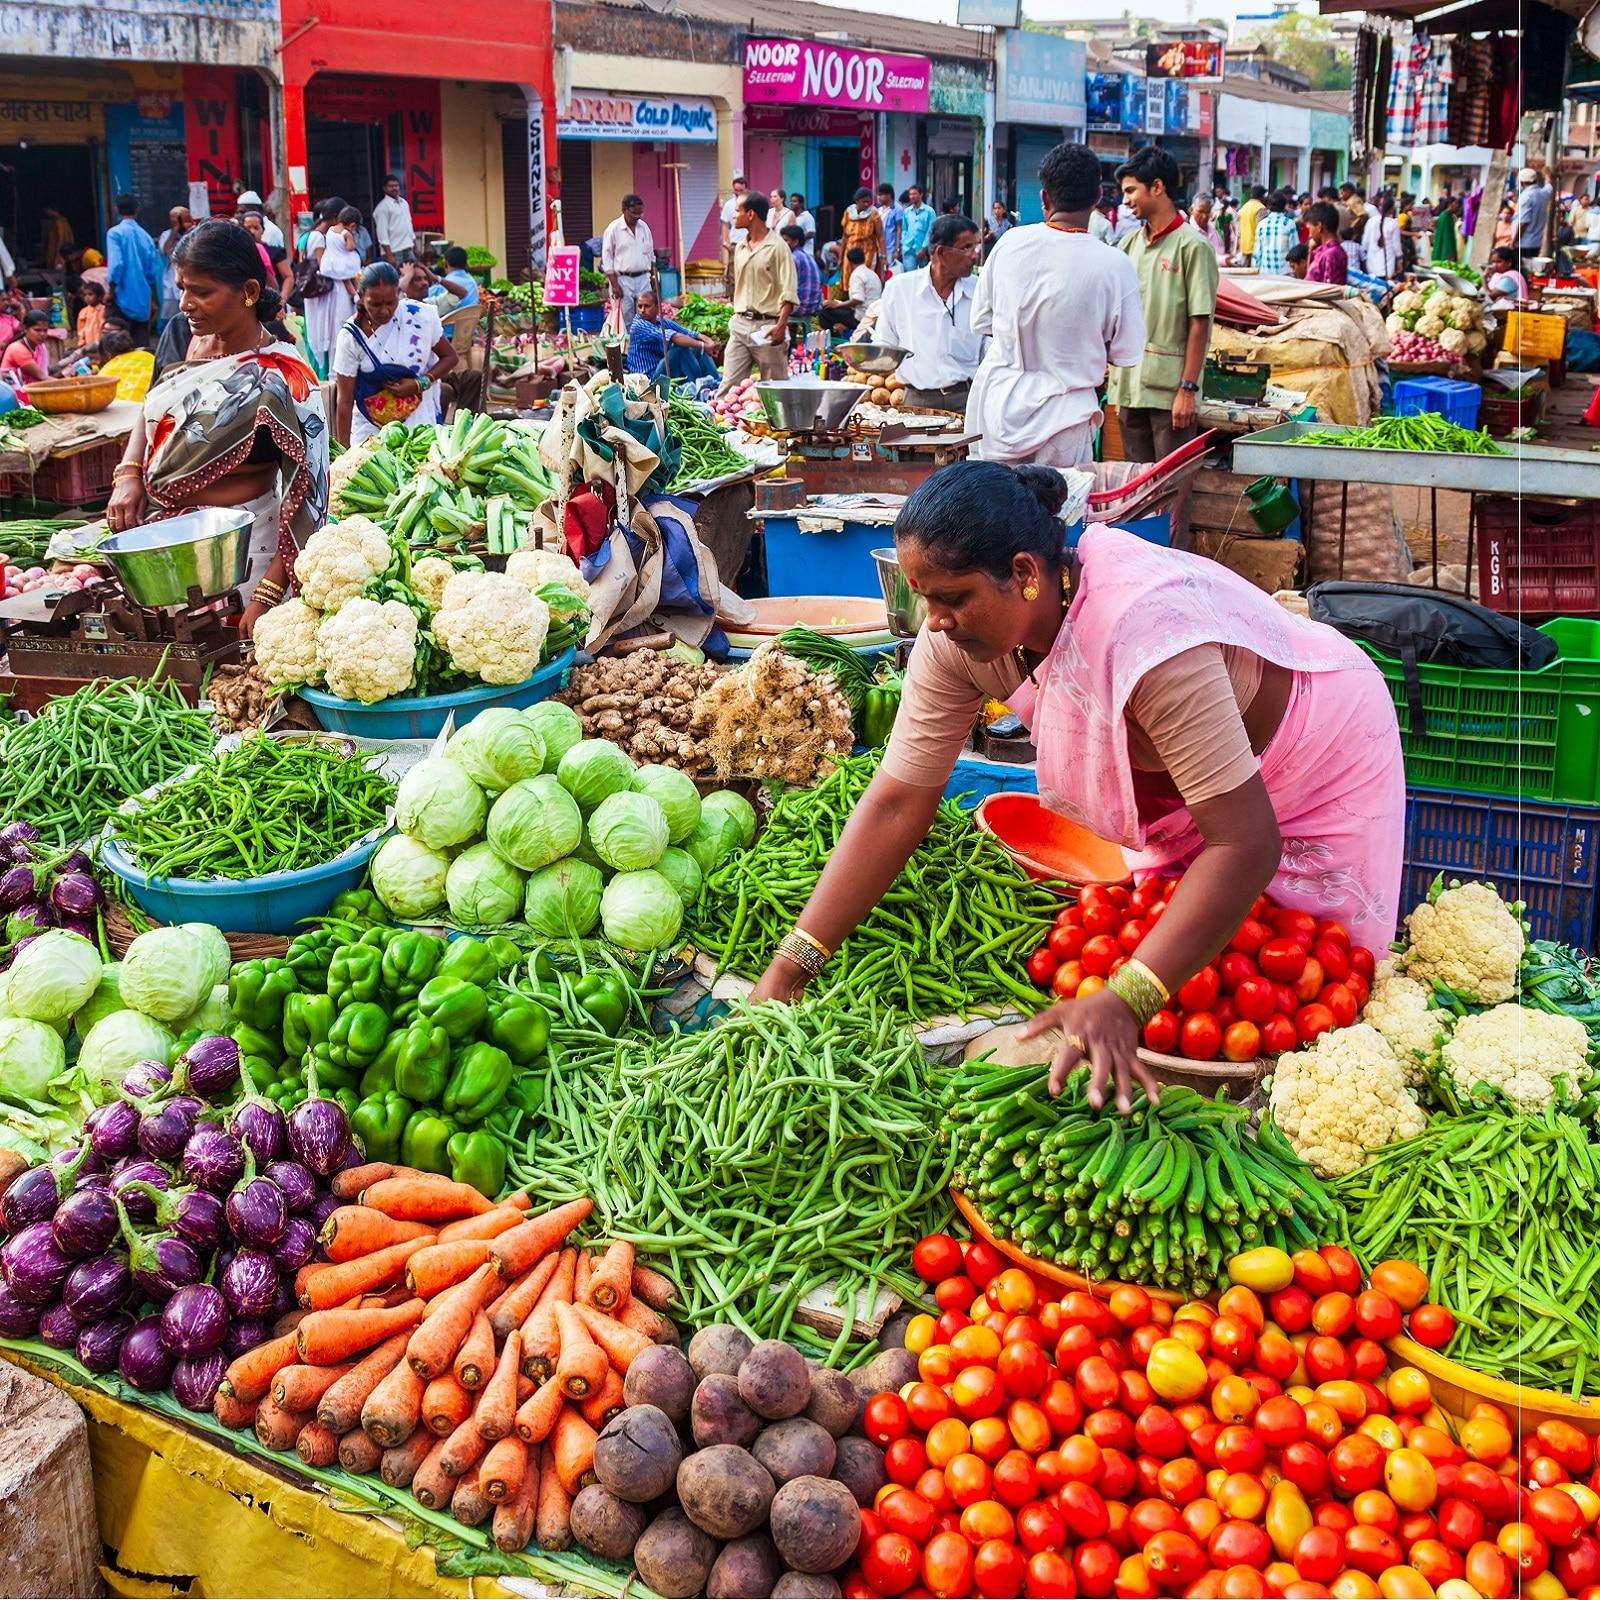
[239, 423]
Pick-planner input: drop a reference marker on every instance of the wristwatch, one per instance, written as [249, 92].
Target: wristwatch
[1189, 386]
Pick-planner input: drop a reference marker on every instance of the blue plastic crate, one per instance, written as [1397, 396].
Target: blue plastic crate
[1153, 530]
[1451, 399]
[822, 560]
[976, 778]
[1545, 855]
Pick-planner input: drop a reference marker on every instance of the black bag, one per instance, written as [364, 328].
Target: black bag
[1413, 625]
[309, 284]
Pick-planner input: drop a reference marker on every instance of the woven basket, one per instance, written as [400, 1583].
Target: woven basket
[120, 933]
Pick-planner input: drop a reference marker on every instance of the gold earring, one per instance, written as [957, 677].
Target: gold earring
[1030, 591]
[249, 302]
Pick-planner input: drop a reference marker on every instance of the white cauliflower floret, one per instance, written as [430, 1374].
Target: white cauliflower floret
[369, 650]
[340, 560]
[1430, 326]
[1399, 1010]
[1520, 1052]
[1395, 323]
[491, 626]
[535, 568]
[1454, 340]
[1341, 1099]
[1409, 301]
[1477, 341]
[1467, 938]
[286, 644]
[428, 578]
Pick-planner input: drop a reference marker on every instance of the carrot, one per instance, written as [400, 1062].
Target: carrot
[330, 1336]
[438, 1267]
[656, 1289]
[400, 1461]
[464, 1446]
[582, 1365]
[469, 1505]
[620, 1343]
[514, 1517]
[514, 1252]
[424, 1197]
[503, 1468]
[232, 1412]
[339, 1410]
[475, 1358]
[445, 1404]
[316, 1446]
[541, 1338]
[505, 1216]
[276, 1428]
[359, 1452]
[250, 1376]
[525, 1387]
[434, 1345]
[391, 1411]
[580, 1287]
[331, 1286]
[298, 1387]
[611, 1283]
[430, 1483]
[536, 1416]
[600, 1407]
[349, 1183]
[355, 1231]
[303, 1277]
[638, 1316]
[497, 1402]
[510, 1308]
[554, 1522]
[571, 1447]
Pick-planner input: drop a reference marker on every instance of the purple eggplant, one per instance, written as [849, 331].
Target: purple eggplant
[129, 1182]
[85, 1223]
[164, 1130]
[16, 887]
[75, 861]
[100, 1343]
[58, 1328]
[145, 1080]
[259, 1124]
[94, 1289]
[250, 1283]
[18, 1319]
[195, 1320]
[283, 1302]
[144, 1361]
[75, 894]
[31, 1198]
[34, 1264]
[86, 928]
[258, 1213]
[19, 833]
[213, 1158]
[299, 1187]
[297, 1246]
[199, 1216]
[163, 1264]
[245, 1334]
[22, 944]
[27, 921]
[325, 1207]
[196, 1379]
[113, 1129]
[319, 1135]
[209, 1067]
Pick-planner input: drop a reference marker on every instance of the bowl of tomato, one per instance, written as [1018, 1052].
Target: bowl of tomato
[1048, 846]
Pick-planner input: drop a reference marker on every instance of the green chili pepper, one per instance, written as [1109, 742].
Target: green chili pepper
[257, 990]
[479, 1078]
[457, 1006]
[478, 1158]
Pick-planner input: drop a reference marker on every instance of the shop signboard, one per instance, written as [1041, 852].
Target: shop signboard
[1039, 78]
[1184, 58]
[989, 13]
[1177, 105]
[809, 72]
[1155, 107]
[1113, 101]
[561, 276]
[684, 119]
[146, 154]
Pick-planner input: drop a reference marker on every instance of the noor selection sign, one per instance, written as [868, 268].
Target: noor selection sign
[804, 72]
[685, 118]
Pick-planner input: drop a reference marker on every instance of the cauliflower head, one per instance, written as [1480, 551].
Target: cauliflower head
[1395, 323]
[286, 644]
[344, 468]
[1409, 301]
[1398, 1008]
[491, 626]
[1430, 326]
[1343, 1098]
[1521, 1052]
[368, 650]
[1454, 340]
[340, 560]
[535, 568]
[428, 578]
[1468, 938]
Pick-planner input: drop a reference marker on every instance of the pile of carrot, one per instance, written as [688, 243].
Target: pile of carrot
[455, 1346]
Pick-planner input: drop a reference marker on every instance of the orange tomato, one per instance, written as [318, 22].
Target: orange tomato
[1235, 1400]
[1409, 1391]
[1242, 1495]
[1409, 1477]
[1238, 1301]
[1345, 1397]
[1404, 1583]
[919, 1333]
[977, 1391]
[1029, 1425]
[1353, 1585]
[1202, 1517]
[976, 1346]
[1385, 1430]
[1486, 1439]
[1405, 1284]
[1081, 1458]
[991, 1438]
[987, 1519]
[970, 1480]
[1013, 1292]
[1324, 1426]
[1129, 1305]
[947, 1565]
[937, 1364]
[1372, 1508]
[946, 1440]
[1016, 1482]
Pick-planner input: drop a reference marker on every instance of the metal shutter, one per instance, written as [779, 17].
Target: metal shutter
[697, 196]
[577, 199]
[514, 182]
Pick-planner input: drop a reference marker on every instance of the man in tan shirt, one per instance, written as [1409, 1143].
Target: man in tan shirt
[765, 291]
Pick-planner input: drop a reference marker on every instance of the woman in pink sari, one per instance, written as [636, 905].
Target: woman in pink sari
[1176, 710]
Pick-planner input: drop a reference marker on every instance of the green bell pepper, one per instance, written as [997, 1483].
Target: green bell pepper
[478, 1158]
[423, 1066]
[519, 1027]
[478, 1081]
[470, 960]
[331, 1075]
[348, 1098]
[408, 962]
[878, 710]
[455, 1005]
[425, 1142]
[506, 952]
[257, 1043]
[378, 938]
[355, 974]
[307, 1021]
[359, 906]
[257, 990]
[379, 1077]
[309, 954]
[379, 1122]
[357, 1037]
[603, 996]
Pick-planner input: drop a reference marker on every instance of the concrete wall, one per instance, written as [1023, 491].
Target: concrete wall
[474, 184]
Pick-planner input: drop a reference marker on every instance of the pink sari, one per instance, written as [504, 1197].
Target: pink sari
[1333, 770]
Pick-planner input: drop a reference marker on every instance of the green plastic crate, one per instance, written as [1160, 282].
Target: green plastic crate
[1530, 734]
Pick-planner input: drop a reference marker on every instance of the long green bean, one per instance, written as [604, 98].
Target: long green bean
[1426, 431]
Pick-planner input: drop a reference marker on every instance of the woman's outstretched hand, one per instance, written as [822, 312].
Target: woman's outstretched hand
[1102, 1031]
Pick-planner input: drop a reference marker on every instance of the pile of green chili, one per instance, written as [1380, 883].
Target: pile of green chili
[949, 938]
[267, 805]
[1501, 1211]
[783, 1149]
[70, 767]
[1427, 431]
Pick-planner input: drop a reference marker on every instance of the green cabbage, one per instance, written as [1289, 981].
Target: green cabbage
[439, 805]
[563, 900]
[682, 871]
[408, 877]
[116, 1042]
[640, 911]
[535, 822]
[593, 769]
[214, 1016]
[584, 850]
[676, 794]
[715, 836]
[559, 726]
[481, 889]
[628, 831]
[106, 998]
[53, 977]
[498, 748]
[31, 1055]
[215, 944]
[166, 974]
[737, 807]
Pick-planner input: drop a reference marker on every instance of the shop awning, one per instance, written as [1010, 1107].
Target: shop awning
[393, 52]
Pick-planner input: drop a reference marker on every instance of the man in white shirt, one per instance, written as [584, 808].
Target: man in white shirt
[1037, 395]
[929, 313]
[628, 255]
[392, 224]
[803, 219]
[864, 290]
[731, 234]
[271, 233]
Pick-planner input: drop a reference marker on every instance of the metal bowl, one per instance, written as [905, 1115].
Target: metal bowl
[907, 609]
[207, 550]
[878, 359]
[795, 406]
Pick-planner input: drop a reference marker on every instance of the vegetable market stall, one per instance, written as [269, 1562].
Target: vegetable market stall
[66, 459]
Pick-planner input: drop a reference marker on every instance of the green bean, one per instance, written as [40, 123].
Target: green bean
[1426, 431]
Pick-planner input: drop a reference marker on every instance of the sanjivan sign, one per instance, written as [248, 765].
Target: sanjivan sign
[802, 72]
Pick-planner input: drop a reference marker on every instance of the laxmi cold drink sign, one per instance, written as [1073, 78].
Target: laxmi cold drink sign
[804, 72]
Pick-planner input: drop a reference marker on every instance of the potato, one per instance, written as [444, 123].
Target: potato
[805, 1586]
[661, 1376]
[718, 1416]
[816, 1524]
[858, 1465]
[774, 1380]
[747, 1569]
[674, 1557]
[797, 1448]
[725, 1490]
[879, 396]
[834, 1403]
[606, 1526]
[719, 1348]
[637, 1455]
[888, 1370]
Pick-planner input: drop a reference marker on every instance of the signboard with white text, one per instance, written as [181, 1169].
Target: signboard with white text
[592, 114]
[809, 72]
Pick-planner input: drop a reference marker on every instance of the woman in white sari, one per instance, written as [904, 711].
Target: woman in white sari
[331, 248]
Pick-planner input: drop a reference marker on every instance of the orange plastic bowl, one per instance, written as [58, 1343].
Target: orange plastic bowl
[1047, 845]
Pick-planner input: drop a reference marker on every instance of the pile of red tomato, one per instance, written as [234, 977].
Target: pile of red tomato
[1124, 1447]
[1284, 978]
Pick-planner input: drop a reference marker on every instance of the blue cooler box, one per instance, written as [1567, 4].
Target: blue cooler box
[825, 550]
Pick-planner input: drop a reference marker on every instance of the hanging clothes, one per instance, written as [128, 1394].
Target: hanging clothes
[1433, 117]
[1405, 93]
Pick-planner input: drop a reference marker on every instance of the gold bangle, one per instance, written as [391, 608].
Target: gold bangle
[806, 954]
[127, 469]
[267, 594]
[1138, 966]
[815, 943]
[1136, 992]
